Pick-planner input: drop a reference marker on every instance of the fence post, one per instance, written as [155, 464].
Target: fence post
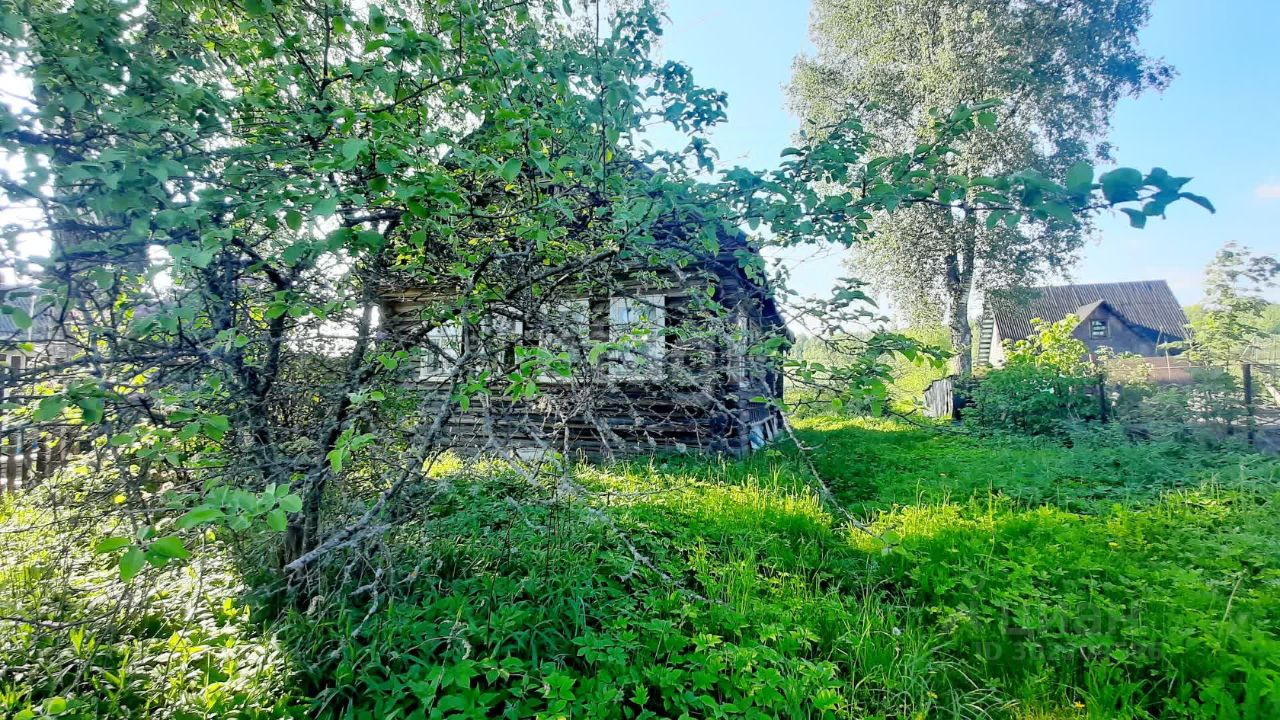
[1102, 397]
[12, 440]
[1247, 372]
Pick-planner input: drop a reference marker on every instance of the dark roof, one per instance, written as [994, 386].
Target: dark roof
[1147, 306]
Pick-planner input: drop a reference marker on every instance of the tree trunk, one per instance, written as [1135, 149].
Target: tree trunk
[958, 322]
[959, 288]
[303, 531]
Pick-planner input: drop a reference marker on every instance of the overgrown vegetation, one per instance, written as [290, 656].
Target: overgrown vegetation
[232, 192]
[1043, 387]
[262, 515]
[1005, 578]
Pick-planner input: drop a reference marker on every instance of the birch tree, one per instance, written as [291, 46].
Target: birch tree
[1060, 66]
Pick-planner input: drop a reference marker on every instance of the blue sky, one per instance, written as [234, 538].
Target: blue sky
[1219, 122]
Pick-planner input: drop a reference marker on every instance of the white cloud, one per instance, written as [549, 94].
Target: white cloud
[1268, 191]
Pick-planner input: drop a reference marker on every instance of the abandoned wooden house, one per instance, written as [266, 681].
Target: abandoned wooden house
[1142, 318]
[641, 359]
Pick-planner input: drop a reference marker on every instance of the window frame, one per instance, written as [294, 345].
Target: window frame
[447, 337]
[572, 310]
[648, 309]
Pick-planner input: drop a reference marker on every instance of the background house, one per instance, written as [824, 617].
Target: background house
[1128, 317]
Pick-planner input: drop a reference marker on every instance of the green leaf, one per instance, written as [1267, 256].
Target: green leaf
[91, 409]
[352, 148]
[276, 520]
[215, 426]
[1080, 178]
[295, 253]
[21, 319]
[1121, 185]
[111, 544]
[73, 101]
[291, 503]
[1059, 212]
[1137, 218]
[511, 169]
[170, 546]
[189, 431]
[198, 516]
[325, 207]
[131, 563]
[987, 119]
[337, 457]
[50, 408]
[593, 356]
[293, 219]
[1200, 200]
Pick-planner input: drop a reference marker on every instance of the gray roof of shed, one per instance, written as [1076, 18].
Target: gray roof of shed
[1148, 306]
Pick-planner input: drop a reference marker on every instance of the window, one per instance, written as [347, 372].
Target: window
[441, 352]
[637, 325]
[1098, 328]
[568, 328]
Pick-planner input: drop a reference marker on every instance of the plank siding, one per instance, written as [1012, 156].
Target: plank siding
[699, 398]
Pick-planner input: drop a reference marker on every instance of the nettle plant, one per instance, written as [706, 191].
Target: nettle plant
[227, 190]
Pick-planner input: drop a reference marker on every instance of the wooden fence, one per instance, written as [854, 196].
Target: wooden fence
[27, 454]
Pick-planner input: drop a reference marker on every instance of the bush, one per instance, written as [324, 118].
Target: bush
[1209, 409]
[852, 375]
[1046, 385]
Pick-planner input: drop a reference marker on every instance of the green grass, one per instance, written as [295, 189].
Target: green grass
[1000, 578]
